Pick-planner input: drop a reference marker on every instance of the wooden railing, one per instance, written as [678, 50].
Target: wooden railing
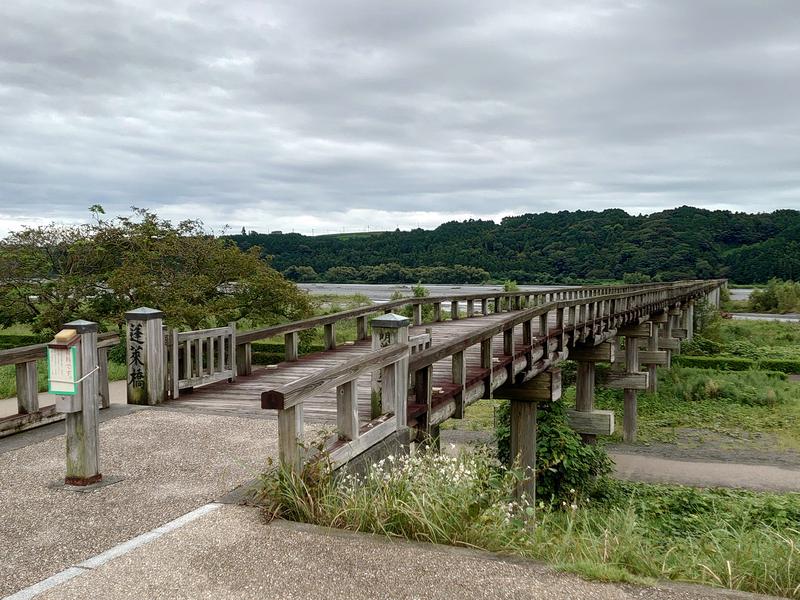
[24, 359]
[577, 319]
[201, 357]
[580, 315]
[351, 439]
[474, 304]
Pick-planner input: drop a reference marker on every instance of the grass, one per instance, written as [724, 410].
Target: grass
[619, 532]
[733, 404]
[479, 416]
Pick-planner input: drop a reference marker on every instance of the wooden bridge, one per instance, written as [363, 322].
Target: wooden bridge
[401, 377]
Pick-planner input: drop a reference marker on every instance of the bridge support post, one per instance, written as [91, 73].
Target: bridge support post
[388, 330]
[689, 320]
[545, 387]
[632, 383]
[584, 394]
[145, 356]
[585, 419]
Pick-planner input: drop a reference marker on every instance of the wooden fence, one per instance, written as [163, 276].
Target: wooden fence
[29, 413]
[201, 357]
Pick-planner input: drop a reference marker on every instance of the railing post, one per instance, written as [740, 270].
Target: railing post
[244, 359]
[470, 308]
[417, 312]
[454, 309]
[486, 363]
[437, 312]
[361, 328]
[497, 305]
[290, 437]
[459, 372]
[27, 387]
[104, 394]
[484, 306]
[291, 343]
[145, 356]
[82, 410]
[387, 330]
[330, 336]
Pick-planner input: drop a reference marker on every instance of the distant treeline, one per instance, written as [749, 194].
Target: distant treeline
[563, 247]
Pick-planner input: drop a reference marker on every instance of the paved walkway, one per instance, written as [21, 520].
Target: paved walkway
[171, 463]
[651, 469]
[116, 389]
[229, 552]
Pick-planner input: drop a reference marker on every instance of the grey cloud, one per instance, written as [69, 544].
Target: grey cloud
[266, 112]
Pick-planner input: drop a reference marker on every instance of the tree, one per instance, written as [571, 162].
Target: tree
[56, 273]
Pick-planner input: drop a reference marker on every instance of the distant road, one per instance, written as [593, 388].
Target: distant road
[383, 292]
[789, 317]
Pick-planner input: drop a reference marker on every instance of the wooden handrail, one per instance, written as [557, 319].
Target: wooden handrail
[13, 356]
[440, 352]
[294, 393]
[247, 337]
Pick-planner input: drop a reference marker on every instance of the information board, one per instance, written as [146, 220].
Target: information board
[62, 375]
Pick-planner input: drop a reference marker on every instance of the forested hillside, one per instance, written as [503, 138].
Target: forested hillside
[552, 247]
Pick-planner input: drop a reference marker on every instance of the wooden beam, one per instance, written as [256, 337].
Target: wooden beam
[594, 423]
[620, 380]
[668, 343]
[291, 343]
[545, 387]
[679, 333]
[601, 353]
[373, 433]
[653, 357]
[642, 330]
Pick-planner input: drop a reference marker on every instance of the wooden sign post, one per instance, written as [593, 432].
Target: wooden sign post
[145, 356]
[74, 378]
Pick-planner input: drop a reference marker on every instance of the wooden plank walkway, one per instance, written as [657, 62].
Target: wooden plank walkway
[243, 397]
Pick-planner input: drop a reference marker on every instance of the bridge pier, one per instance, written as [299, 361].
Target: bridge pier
[587, 421]
[632, 380]
[545, 387]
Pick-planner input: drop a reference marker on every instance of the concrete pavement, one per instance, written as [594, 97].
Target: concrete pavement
[231, 552]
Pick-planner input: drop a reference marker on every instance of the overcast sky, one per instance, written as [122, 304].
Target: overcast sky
[334, 114]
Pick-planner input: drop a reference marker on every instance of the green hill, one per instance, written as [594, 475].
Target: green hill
[562, 247]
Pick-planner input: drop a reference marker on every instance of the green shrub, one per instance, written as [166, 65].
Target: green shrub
[749, 388]
[700, 346]
[778, 364]
[779, 296]
[566, 467]
[722, 363]
[622, 532]
[15, 341]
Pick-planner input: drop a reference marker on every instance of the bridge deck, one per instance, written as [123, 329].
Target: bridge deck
[243, 397]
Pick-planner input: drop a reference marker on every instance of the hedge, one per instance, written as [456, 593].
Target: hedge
[737, 363]
[784, 365]
[15, 341]
[722, 363]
